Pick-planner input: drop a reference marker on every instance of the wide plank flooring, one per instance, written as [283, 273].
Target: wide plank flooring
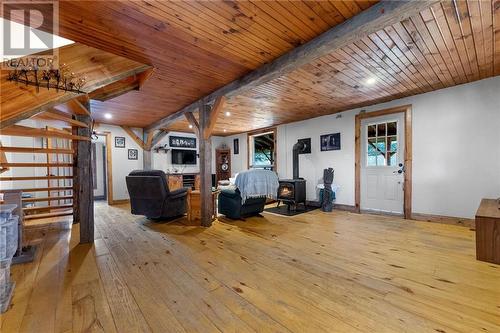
[315, 272]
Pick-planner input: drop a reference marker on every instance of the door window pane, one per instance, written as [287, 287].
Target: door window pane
[372, 132]
[382, 144]
[392, 143]
[381, 130]
[392, 128]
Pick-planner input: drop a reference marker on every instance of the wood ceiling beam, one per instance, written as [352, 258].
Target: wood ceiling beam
[144, 76]
[148, 140]
[371, 20]
[214, 113]
[77, 107]
[53, 114]
[159, 136]
[193, 122]
[33, 112]
[134, 136]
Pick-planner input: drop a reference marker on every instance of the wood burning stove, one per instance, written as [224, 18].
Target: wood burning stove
[293, 191]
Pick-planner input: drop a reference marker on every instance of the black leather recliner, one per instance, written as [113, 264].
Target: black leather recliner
[230, 205]
[151, 197]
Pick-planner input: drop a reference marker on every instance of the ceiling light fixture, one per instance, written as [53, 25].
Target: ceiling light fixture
[108, 116]
[190, 126]
[225, 130]
[370, 81]
[228, 113]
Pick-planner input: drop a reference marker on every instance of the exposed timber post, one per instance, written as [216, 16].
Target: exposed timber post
[205, 167]
[83, 201]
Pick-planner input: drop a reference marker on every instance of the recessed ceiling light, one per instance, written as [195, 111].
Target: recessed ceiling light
[228, 113]
[370, 81]
[108, 116]
[225, 130]
[190, 126]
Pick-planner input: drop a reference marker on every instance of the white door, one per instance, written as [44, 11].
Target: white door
[382, 164]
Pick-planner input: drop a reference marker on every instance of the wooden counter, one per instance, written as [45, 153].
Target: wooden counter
[488, 231]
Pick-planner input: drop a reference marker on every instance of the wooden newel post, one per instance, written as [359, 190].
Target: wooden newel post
[205, 166]
[83, 202]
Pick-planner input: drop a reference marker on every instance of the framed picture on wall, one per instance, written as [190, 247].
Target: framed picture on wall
[133, 154]
[330, 142]
[307, 145]
[119, 142]
[236, 146]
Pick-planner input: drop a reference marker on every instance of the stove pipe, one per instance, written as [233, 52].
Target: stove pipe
[297, 149]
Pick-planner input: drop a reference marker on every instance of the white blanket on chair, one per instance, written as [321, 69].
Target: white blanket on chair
[257, 183]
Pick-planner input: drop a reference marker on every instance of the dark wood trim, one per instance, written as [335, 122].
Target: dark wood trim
[371, 20]
[274, 130]
[407, 110]
[460, 221]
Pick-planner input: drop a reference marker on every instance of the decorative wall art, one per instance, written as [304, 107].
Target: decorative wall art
[182, 142]
[119, 142]
[307, 146]
[236, 146]
[330, 142]
[133, 154]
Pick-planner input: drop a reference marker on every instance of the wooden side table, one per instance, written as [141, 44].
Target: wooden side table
[194, 206]
[488, 231]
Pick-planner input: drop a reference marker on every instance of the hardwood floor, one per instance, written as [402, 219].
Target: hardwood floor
[315, 272]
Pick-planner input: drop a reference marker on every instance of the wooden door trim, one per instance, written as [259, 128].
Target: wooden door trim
[109, 166]
[407, 110]
[274, 130]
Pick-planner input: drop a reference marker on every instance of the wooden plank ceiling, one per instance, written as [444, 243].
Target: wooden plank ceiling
[195, 46]
[98, 67]
[199, 46]
[442, 47]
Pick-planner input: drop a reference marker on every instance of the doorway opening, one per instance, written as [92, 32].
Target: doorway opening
[262, 149]
[383, 156]
[102, 167]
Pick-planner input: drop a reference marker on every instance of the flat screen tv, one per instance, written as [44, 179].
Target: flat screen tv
[183, 156]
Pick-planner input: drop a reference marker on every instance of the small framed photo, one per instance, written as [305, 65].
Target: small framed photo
[119, 142]
[330, 142]
[133, 154]
[307, 145]
[236, 146]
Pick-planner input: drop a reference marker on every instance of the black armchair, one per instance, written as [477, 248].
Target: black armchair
[151, 197]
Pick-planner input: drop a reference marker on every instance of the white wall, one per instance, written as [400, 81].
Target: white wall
[163, 161]
[121, 164]
[456, 149]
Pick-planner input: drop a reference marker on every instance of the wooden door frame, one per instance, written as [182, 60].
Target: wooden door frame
[407, 110]
[109, 166]
[274, 130]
